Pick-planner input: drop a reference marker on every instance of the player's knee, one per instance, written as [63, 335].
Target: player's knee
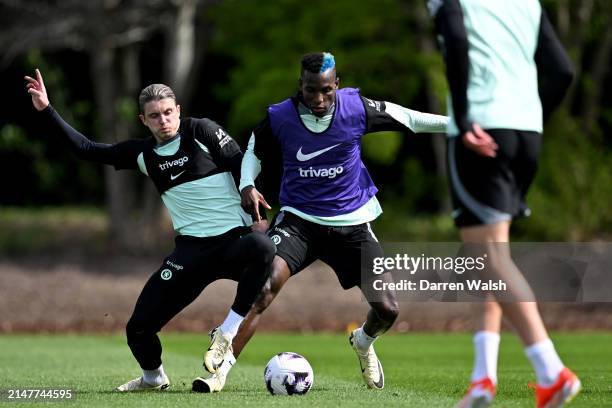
[136, 330]
[131, 331]
[262, 247]
[389, 310]
[266, 248]
[498, 258]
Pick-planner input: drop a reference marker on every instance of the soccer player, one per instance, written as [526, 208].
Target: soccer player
[192, 162]
[494, 51]
[327, 197]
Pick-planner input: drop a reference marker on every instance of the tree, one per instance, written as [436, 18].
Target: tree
[585, 27]
[112, 33]
[377, 49]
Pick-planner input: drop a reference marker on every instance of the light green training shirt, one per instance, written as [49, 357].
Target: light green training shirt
[201, 208]
[503, 81]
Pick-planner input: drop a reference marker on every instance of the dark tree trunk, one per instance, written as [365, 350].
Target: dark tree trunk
[118, 188]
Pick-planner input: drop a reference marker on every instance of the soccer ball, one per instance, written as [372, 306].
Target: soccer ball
[288, 374]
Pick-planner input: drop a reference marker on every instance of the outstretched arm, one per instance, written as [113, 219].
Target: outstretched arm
[120, 155]
[387, 116]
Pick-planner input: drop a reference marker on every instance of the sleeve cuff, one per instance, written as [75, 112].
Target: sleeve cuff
[464, 125]
[245, 183]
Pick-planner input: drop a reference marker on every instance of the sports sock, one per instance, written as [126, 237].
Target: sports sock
[154, 377]
[227, 364]
[230, 325]
[362, 340]
[545, 361]
[486, 350]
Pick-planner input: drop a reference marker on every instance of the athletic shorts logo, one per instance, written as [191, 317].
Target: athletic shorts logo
[282, 231]
[175, 266]
[305, 157]
[276, 239]
[166, 274]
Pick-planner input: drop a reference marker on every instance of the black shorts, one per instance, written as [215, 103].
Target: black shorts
[238, 254]
[489, 190]
[204, 260]
[347, 250]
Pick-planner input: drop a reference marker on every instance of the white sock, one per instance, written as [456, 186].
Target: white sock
[230, 325]
[545, 361]
[227, 364]
[486, 350]
[154, 377]
[362, 340]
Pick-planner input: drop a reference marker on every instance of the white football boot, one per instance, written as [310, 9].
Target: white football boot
[371, 369]
[216, 382]
[214, 356]
[138, 384]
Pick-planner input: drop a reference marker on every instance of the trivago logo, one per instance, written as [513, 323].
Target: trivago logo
[331, 172]
[174, 163]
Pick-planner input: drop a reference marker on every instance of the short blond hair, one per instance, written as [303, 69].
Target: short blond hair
[155, 92]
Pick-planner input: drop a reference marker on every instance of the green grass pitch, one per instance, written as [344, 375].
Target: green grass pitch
[421, 370]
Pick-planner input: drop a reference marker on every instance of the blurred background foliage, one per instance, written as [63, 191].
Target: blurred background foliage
[228, 60]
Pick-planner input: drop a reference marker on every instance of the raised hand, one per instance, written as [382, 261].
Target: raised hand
[36, 88]
[480, 141]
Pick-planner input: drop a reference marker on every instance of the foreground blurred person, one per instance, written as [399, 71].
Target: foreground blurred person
[494, 51]
[327, 197]
[192, 162]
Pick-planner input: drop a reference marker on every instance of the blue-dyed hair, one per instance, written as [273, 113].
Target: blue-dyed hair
[318, 62]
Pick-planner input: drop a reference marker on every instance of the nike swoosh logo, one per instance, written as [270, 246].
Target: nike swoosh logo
[381, 381]
[174, 177]
[304, 157]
